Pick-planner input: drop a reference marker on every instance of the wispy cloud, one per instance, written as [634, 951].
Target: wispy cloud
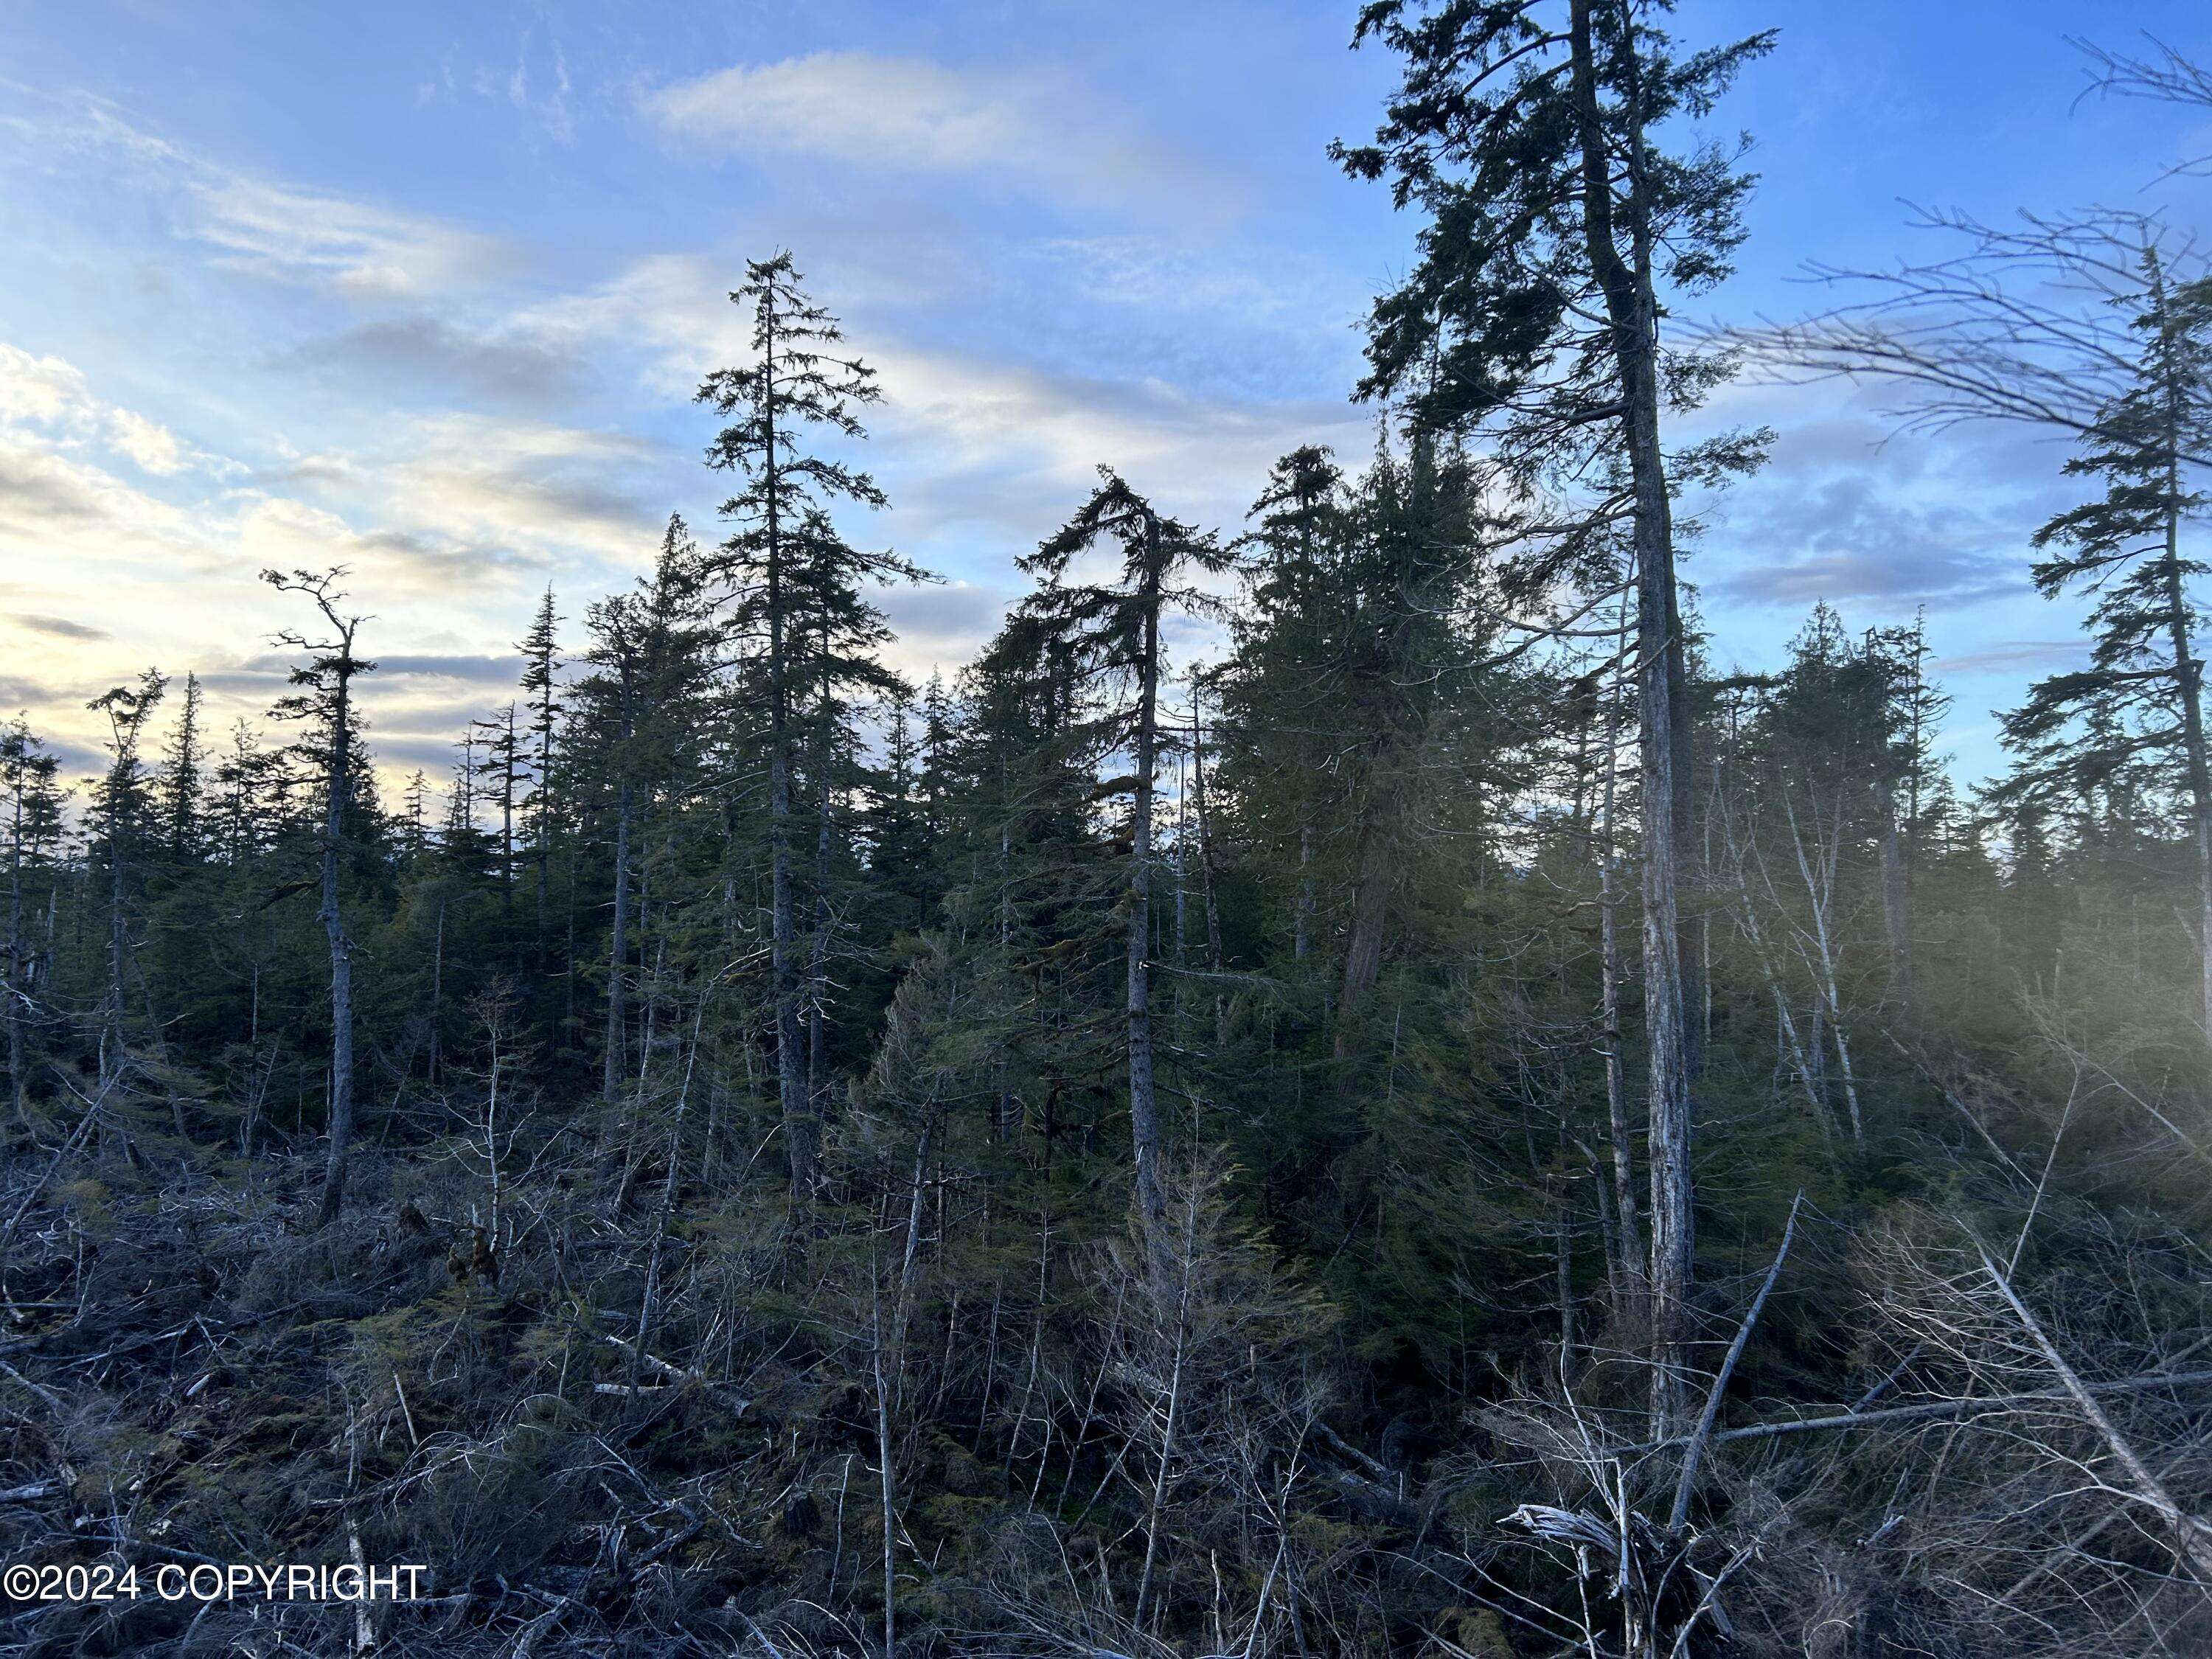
[59, 628]
[282, 232]
[58, 507]
[316, 239]
[51, 398]
[504, 366]
[2013, 658]
[528, 485]
[907, 115]
[1916, 573]
[994, 441]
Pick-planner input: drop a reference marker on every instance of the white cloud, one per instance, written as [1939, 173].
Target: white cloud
[1045, 434]
[443, 540]
[151, 445]
[907, 115]
[850, 107]
[45, 391]
[531, 490]
[281, 232]
[54, 508]
[45, 402]
[947, 412]
[319, 240]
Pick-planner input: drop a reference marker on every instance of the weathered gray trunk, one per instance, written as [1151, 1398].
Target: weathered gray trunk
[1143, 1112]
[1612, 973]
[801, 1138]
[611, 1066]
[1631, 313]
[341, 783]
[1896, 903]
[1301, 934]
[1370, 910]
[18, 957]
[2189, 675]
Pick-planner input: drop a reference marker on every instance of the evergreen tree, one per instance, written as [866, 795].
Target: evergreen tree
[781, 552]
[540, 649]
[31, 808]
[122, 805]
[501, 765]
[637, 720]
[1110, 632]
[2142, 698]
[183, 779]
[1554, 232]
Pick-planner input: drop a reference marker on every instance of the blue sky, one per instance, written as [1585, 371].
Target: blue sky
[425, 289]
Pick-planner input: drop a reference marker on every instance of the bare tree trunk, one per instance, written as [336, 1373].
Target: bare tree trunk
[611, 1066]
[1612, 973]
[341, 783]
[1786, 1039]
[18, 1083]
[1171, 1419]
[649, 1303]
[1302, 929]
[1896, 906]
[1631, 313]
[1144, 1113]
[1819, 895]
[889, 1379]
[2189, 673]
[799, 1136]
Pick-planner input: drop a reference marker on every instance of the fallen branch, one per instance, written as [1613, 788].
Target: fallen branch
[1933, 1410]
[2189, 1531]
[1698, 1437]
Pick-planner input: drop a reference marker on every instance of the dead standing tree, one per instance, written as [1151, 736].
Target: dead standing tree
[326, 695]
[2096, 326]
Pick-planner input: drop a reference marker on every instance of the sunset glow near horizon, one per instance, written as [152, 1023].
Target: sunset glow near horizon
[427, 296]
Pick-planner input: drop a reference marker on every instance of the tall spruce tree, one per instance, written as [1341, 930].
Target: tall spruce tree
[122, 808]
[2142, 696]
[1555, 230]
[184, 778]
[31, 810]
[541, 669]
[1290, 645]
[1110, 632]
[798, 390]
[635, 727]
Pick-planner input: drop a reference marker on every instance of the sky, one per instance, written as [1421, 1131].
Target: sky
[425, 290]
